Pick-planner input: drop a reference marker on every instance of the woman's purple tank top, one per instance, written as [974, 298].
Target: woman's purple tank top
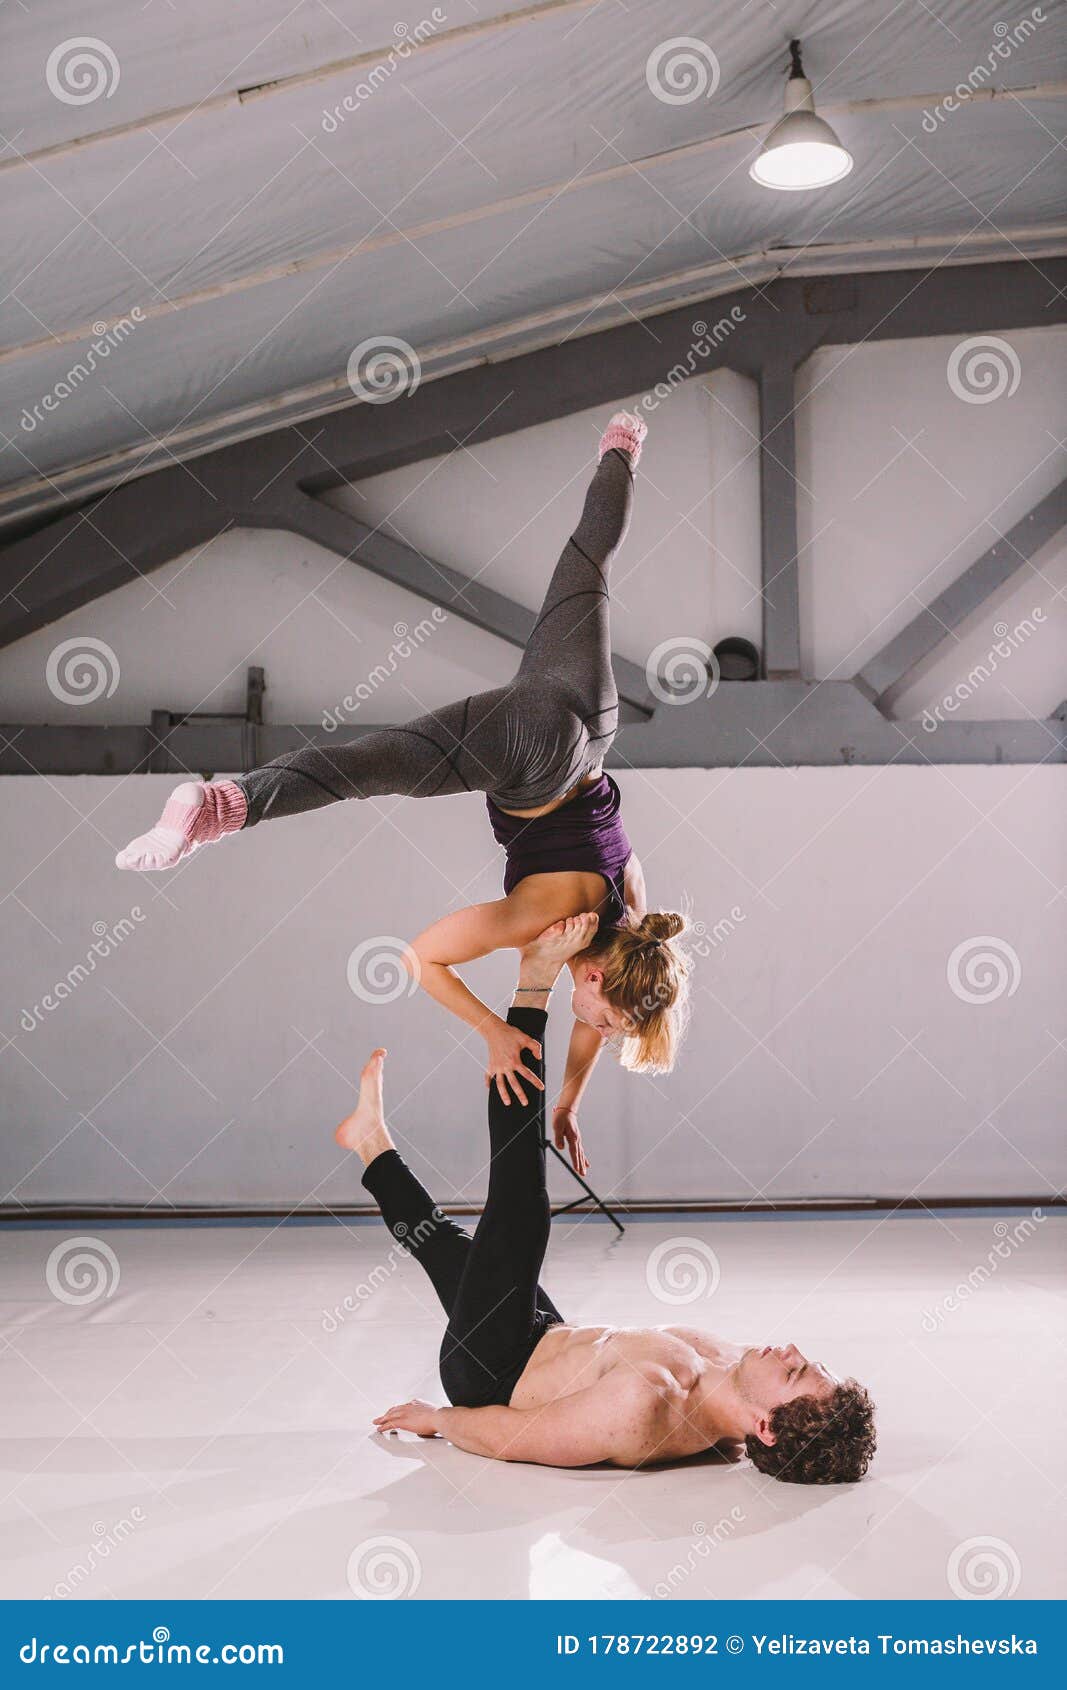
[586, 833]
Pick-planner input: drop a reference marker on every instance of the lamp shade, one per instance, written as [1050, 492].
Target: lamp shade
[801, 151]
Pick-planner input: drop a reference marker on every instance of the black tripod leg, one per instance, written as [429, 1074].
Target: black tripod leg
[590, 1194]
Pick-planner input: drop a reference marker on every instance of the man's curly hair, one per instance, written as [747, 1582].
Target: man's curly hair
[819, 1440]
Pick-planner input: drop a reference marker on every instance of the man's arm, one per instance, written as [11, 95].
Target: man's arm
[604, 1422]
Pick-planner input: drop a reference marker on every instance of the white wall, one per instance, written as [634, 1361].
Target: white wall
[904, 484]
[829, 1055]
[184, 636]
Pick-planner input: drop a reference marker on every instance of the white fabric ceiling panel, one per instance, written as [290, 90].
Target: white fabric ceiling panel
[262, 248]
[183, 55]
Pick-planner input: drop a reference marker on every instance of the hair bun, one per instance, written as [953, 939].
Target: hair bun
[661, 925]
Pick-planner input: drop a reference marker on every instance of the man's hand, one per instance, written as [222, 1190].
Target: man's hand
[414, 1416]
[567, 1136]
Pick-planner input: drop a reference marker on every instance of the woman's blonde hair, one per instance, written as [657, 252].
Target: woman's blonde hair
[646, 976]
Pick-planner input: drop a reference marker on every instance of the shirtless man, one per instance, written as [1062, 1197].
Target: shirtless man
[525, 1386]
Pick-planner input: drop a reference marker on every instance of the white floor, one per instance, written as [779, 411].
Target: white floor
[203, 1430]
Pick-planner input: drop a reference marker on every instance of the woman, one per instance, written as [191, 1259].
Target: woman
[536, 749]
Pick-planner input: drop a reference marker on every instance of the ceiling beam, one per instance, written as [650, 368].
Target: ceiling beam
[997, 564]
[968, 294]
[127, 535]
[779, 324]
[267, 482]
[407, 567]
[744, 724]
[778, 524]
[820, 724]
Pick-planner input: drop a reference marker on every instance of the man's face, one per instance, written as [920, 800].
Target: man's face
[777, 1373]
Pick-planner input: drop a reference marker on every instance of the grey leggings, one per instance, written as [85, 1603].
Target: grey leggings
[524, 744]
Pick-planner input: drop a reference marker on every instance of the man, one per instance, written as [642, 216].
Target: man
[525, 1386]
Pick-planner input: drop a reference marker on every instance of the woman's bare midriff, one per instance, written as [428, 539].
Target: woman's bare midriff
[558, 803]
[586, 889]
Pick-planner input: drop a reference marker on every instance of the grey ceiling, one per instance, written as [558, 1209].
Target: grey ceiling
[511, 180]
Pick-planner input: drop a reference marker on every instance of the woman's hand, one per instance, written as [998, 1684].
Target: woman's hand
[505, 1064]
[414, 1416]
[567, 1136]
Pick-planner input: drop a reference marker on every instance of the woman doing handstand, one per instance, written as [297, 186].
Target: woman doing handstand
[535, 747]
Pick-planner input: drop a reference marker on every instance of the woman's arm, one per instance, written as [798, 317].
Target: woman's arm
[585, 1046]
[582, 1055]
[506, 923]
[461, 937]
[633, 887]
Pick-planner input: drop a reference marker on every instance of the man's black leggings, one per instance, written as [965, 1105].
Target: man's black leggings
[488, 1284]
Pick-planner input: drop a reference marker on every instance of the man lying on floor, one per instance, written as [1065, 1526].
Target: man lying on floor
[524, 1385]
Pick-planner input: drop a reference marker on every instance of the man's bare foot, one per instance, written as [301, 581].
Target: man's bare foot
[557, 944]
[365, 1131]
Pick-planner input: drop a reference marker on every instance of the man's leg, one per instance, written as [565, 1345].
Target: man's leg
[498, 1300]
[437, 1243]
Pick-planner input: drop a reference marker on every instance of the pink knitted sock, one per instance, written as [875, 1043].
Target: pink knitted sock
[626, 432]
[185, 825]
[223, 811]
